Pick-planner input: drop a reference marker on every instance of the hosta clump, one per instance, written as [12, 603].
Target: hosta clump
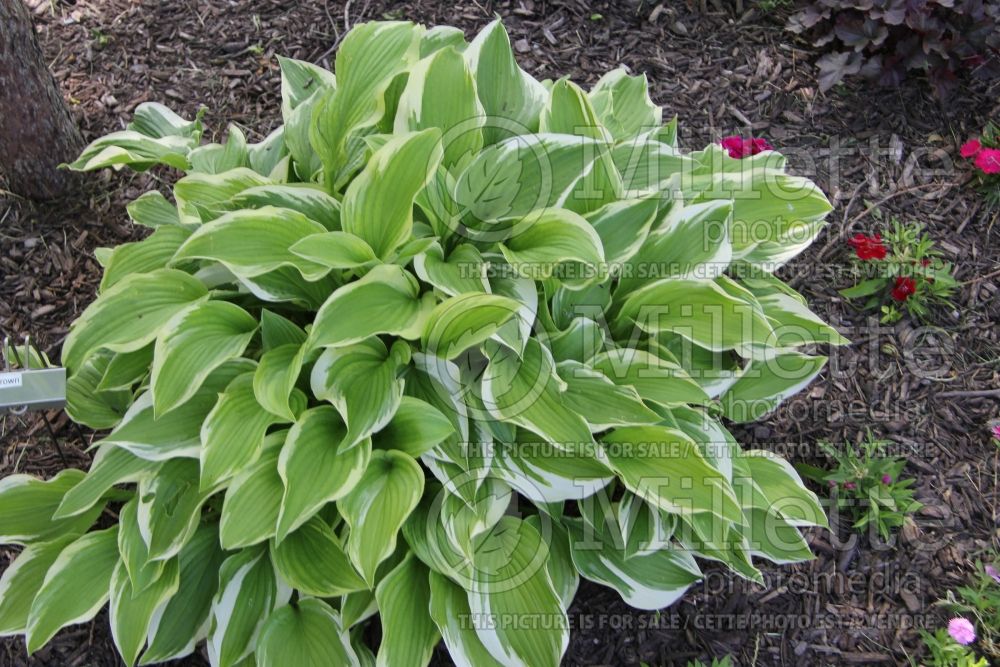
[446, 341]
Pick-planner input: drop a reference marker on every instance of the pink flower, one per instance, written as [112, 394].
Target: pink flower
[886, 479]
[850, 486]
[970, 148]
[739, 148]
[992, 571]
[988, 160]
[996, 431]
[832, 483]
[961, 631]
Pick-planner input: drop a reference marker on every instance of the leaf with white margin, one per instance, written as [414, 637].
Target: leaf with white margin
[138, 151]
[527, 392]
[562, 571]
[317, 466]
[248, 593]
[204, 197]
[112, 465]
[691, 242]
[253, 500]
[378, 204]
[623, 226]
[232, 434]
[465, 321]
[794, 324]
[463, 271]
[141, 571]
[125, 369]
[385, 301]
[309, 199]
[622, 103]
[603, 403]
[131, 611]
[276, 330]
[774, 484]
[441, 93]
[767, 382]
[299, 80]
[170, 507]
[650, 168]
[716, 443]
[555, 242]
[312, 561]
[275, 378]
[335, 250]
[654, 379]
[515, 334]
[192, 345]
[21, 582]
[252, 242]
[416, 427]
[467, 516]
[652, 581]
[510, 579]
[87, 403]
[129, 316]
[306, 633]
[362, 381]
[511, 98]
[214, 158]
[27, 506]
[706, 537]
[566, 474]
[378, 506]
[579, 342]
[664, 466]
[449, 606]
[772, 537]
[702, 311]
[76, 586]
[151, 209]
[182, 621]
[408, 632]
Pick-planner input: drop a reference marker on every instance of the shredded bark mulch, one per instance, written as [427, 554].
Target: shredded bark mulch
[931, 390]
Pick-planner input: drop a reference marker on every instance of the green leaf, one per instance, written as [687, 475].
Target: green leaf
[27, 506]
[192, 345]
[233, 432]
[151, 209]
[308, 633]
[772, 537]
[415, 428]
[511, 98]
[135, 150]
[465, 321]
[623, 105]
[156, 120]
[864, 288]
[555, 243]
[335, 250]
[21, 582]
[511, 579]
[299, 80]
[128, 316]
[408, 633]
[462, 272]
[312, 561]
[144, 256]
[112, 465]
[649, 167]
[276, 331]
[219, 158]
[253, 500]
[449, 605]
[275, 379]
[663, 466]
[132, 611]
[794, 324]
[317, 466]
[141, 571]
[654, 379]
[204, 197]
[527, 392]
[254, 242]
[181, 622]
[378, 506]
[125, 369]
[170, 507]
[306, 198]
[701, 311]
[378, 205]
[385, 301]
[600, 401]
[767, 382]
[368, 60]
[86, 403]
[248, 593]
[775, 485]
[76, 586]
[623, 226]
[441, 93]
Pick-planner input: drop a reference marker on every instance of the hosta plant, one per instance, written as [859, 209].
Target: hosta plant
[446, 341]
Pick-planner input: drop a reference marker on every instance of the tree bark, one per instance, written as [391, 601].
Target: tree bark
[37, 132]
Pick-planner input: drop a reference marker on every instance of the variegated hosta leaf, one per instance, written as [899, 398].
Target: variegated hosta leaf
[465, 321]
[308, 199]
[409, 635]
[377, 507]
[308, 633]
[253, 500]
[150, 254]
[623, 226]
[299, 80]
[153, 210]
[205, 197]
[449, 605]
[170, 507]
[312, 560]
[27, 506]
[767, 382]
[132, 610]
[22, 580]
[555, 243]
[416, 427]
[462, 271]
[622, 104]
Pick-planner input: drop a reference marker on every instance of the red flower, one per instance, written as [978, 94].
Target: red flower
[739, 148]
[970, 148]
[905, 286]
[988, 160]
[868, 247]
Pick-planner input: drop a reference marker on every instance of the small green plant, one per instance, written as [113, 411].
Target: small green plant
[446, 341]
[716, 662]
[902, 273]
[866, 485]
[944, 651]
[979, 601]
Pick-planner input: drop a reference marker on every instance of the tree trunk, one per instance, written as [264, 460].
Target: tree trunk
[37, 132]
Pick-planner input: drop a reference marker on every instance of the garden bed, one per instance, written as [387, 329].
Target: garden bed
[932, 392]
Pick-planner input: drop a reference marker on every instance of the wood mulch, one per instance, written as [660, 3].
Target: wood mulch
[933, 391]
